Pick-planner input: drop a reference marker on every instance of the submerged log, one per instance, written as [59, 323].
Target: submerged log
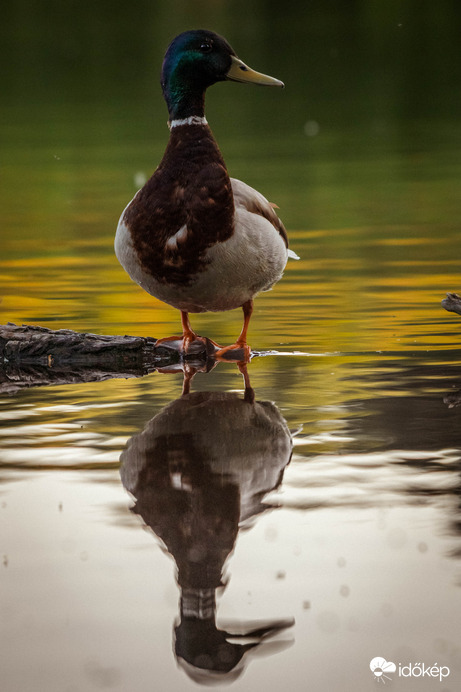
[36, 356]
[452, 303]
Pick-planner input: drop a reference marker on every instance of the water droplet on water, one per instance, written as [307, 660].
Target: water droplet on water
[311, 128]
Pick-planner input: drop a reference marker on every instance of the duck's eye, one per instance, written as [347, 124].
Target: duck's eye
[206, 47]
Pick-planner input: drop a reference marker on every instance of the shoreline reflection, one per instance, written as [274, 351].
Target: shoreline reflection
[199, 472]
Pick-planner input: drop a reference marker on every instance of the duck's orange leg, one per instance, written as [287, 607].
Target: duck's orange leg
[188, 334]
[241, 343]
[249, 395]
[189, 342]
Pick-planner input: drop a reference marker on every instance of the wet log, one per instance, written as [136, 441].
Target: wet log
[35, 356]
[452, 303]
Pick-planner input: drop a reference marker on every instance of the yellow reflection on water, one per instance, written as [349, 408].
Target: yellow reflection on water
[323, 303]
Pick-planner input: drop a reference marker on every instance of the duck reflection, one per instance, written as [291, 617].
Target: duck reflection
[199, 472]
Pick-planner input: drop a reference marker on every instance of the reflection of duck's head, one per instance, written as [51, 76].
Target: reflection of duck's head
[212, 656]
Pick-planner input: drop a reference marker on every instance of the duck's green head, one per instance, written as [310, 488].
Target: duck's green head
[194, 61]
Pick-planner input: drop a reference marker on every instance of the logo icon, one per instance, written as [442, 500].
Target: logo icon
[380, 667]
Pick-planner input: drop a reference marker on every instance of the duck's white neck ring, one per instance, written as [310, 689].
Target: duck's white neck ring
[191, 120]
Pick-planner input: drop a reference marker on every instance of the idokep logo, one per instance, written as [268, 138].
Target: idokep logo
[380, 669]
[420, 670]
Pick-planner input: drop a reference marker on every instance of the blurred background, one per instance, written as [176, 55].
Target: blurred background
[363, 61]
[360, 151]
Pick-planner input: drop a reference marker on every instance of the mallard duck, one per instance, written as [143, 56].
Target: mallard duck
[192, 236]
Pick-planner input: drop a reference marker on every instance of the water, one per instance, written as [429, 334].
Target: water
[359, 544]
[324, 518]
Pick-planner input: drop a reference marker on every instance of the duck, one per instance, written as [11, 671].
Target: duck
[192, 236]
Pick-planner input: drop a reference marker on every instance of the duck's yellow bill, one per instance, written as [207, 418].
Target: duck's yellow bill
[239, 72]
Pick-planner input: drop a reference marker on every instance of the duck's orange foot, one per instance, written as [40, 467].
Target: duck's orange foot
[189, 344]
[240, 351]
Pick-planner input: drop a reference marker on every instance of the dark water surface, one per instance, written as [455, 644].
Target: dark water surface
[323, 521]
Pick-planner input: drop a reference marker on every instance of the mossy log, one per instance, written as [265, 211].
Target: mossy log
[452, 303]
[36, 356]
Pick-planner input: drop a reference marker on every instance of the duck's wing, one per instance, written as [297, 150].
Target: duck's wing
[253, 201]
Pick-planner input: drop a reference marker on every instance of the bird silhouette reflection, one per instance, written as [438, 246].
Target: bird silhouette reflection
[199, 472]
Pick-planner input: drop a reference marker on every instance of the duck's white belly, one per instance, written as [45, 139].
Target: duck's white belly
[252, 260]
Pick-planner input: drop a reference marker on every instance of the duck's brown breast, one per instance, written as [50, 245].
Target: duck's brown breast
[184, 208]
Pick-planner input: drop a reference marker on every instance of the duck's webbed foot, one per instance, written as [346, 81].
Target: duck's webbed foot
[240, 350]
[190, 343]
[188, 346]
